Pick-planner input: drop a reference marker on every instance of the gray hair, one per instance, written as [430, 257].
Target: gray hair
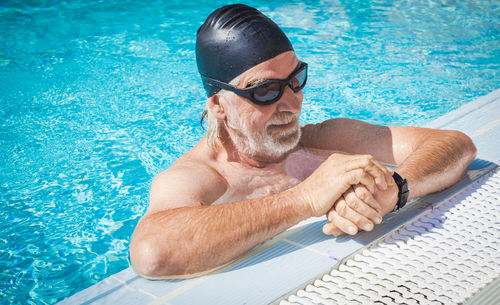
[213, 127]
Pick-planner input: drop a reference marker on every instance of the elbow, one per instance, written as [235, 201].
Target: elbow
[149, 261]
[468, 148]
[144, 259]
[472, 151]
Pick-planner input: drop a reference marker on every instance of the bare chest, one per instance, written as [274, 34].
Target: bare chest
[244, 183]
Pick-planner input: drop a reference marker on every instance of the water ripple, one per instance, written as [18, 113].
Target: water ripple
[96, 98]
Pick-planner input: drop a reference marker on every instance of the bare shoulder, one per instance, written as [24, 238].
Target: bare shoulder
[190, 181]
[342, 134]
[389, 144]
[358, 137]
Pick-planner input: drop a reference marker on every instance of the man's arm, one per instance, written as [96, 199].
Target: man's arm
[182, 234]
[429, 159]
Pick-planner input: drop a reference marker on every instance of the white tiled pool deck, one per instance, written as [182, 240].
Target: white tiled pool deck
[303, 253]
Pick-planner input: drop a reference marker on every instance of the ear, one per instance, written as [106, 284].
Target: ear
[215, 107]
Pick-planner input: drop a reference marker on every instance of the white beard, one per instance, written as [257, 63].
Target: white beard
[272, 143]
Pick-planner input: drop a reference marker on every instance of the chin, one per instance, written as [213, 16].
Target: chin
[278, 147]
[270, 146]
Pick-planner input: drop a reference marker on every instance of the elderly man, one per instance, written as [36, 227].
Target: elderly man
[257, 172]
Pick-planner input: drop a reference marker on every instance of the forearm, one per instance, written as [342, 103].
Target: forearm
[436, 162]
[195, 239]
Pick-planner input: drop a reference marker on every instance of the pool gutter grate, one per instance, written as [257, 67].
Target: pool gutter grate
[444, 257]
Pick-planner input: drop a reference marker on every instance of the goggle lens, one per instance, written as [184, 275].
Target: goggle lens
[267, 92]
[270, 91]
[299, 81]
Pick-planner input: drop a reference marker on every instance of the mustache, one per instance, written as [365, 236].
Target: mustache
[283, 117]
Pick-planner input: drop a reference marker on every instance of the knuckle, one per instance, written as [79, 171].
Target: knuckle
[353, 177]
[364, 196]
[368, 157]
[353, 204]
[360, 191]
[341, 208]
[348, 164]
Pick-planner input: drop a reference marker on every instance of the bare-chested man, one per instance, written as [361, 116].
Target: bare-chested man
[257, 172]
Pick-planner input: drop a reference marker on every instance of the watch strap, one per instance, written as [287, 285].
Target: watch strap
[403, 191]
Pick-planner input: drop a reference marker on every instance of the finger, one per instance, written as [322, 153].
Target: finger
[378, 166]
[361, 206]
[367, 163]
[368, 198]
[329, 214]
[331, 229]
[387, 172]
[359, 176]
[344, 224]
[346, 212]
[377, 173]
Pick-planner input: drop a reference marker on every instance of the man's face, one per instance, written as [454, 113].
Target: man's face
[266, 132]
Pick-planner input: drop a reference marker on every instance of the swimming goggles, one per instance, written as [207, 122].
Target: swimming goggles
[268, 91]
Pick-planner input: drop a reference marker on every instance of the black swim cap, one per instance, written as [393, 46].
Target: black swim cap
[233, 39]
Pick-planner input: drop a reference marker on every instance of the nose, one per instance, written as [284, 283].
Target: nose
[290, 101]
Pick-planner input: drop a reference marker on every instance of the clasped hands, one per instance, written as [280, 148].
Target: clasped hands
[358, 208]
[362, 206]
[354, 191]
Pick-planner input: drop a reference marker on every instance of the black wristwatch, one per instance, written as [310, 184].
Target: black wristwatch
[403, 192]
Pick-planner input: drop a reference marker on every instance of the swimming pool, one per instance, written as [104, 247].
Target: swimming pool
[97, 97]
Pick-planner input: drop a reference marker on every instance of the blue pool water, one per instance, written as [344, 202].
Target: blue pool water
[97, 97]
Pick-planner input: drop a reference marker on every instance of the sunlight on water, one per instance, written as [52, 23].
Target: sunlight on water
[97, 97]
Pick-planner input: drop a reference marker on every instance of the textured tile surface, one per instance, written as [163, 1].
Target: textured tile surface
[443, 257]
